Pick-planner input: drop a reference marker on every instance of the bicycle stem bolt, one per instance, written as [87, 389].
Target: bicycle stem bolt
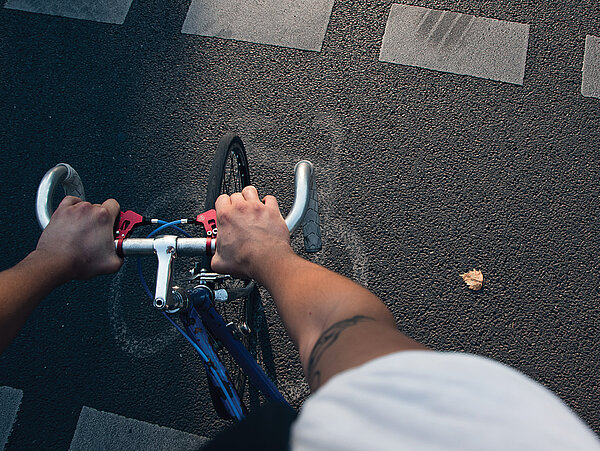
[179, 300]
[159, 303]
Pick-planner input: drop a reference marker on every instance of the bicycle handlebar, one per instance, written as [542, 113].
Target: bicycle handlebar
[64, 174]
[302, 186]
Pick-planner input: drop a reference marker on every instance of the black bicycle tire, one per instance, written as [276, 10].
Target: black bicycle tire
[231, 144]
[227, 144]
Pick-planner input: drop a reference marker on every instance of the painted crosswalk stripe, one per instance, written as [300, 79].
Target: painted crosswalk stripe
[109, 11]
[286, 23]
[10, 400]
[458, 43]
[590, 80]
[102, 430]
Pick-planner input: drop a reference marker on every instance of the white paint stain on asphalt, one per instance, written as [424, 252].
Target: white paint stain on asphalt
[104, 430]
[129, 302]
[285, 23]
[108, 11]
[590, 80]
[458, 43]
[10, 400]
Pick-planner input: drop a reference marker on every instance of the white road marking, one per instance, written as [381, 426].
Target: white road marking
[590, 80]
[339, 238]
[10, 400]
[102, 430]
[109, 11]
[286, 23]
[456, 43]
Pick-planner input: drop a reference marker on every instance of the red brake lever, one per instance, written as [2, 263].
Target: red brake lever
[209, 220]
[126, 223]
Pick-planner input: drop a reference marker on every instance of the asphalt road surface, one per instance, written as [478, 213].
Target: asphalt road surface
[443, 141]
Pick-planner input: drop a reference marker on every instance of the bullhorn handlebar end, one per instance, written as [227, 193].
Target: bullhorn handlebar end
[62, 174]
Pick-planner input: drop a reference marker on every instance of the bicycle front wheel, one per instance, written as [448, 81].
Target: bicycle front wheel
[230, 174]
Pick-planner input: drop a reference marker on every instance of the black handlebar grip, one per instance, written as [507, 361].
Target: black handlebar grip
[311, 224]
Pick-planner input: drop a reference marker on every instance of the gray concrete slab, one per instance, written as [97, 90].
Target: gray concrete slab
[590, 80]
[109, 11]
[103, 430]
[10, 400]
[285, 23]
[456, 43]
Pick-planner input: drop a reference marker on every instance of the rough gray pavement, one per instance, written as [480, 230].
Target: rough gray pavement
[423, 175]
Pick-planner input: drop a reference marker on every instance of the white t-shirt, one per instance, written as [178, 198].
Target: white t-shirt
[423, 400]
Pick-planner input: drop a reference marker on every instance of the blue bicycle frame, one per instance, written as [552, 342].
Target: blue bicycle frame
[202, 316]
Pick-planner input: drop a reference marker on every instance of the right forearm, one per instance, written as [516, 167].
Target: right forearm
[335, 323]
[310, 298]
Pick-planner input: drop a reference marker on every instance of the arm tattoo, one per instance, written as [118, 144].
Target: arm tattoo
[328, 338]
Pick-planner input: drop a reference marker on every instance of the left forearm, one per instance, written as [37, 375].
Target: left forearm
[78, 243]
[23, 288]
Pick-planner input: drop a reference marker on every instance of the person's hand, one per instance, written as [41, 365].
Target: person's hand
[79, 238]
[251, 233]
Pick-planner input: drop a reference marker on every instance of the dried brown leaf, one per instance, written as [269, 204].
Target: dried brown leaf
[474, 279]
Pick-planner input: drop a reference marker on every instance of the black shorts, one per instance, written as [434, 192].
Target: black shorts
[266, 429]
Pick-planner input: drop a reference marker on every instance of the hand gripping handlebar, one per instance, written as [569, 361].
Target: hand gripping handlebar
[304, 212]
